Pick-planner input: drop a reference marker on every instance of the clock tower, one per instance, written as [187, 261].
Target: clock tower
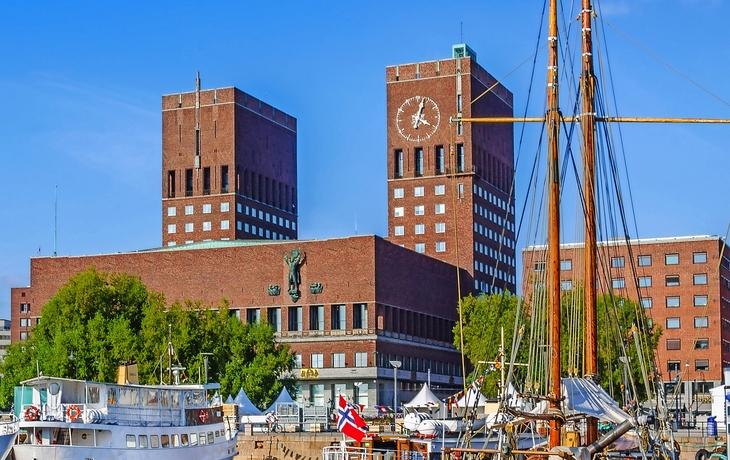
[450, 186]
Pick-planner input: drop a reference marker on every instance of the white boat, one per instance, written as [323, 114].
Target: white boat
[77, 419]
[8, 432]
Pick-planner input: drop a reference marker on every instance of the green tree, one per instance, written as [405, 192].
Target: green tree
[98, 320]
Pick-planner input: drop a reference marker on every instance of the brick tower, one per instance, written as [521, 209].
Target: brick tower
[450, 185]
[229, 165]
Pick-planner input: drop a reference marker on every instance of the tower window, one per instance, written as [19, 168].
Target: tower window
[460, 161]
[206, 181]
[398, 163]
[224, 179]
[419, 161]
[188, 182]
[171, 184]
[440, 168]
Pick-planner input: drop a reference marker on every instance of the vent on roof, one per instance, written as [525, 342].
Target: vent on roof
[463, 50]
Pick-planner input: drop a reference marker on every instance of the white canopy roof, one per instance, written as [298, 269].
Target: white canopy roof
[284, 398]
[471, 396]
[424, 398]
[245, 406]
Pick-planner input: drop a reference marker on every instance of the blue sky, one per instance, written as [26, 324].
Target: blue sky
[82, 81]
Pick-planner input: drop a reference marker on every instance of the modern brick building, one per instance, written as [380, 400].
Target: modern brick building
[362, 302]
[683, 283]
[431, 210]
[229, 165]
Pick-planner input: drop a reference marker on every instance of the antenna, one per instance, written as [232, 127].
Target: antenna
[55, 220]
[461, 31]
[355, 224]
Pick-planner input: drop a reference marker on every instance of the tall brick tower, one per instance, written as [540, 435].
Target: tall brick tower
[229, 166]
[450, 185]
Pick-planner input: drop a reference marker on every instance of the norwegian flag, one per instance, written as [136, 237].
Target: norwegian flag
[349, 422]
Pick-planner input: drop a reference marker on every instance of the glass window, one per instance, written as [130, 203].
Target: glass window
[566, 285]
[699, 257]
[397, 193]
[701, 321]
[674, 344]
[672, 280]
[618, 283]
[143, 441]
[672, 323]
[131, 441]
[439, 190]
[154, 441]
[398, 230]
[317, 360]
[398, 212]
[440, 208]
[420, 247]
[418, 191]
[702, 344]
[338, 360]
[225, 206]
[206, 226]
[702, 364]
[171, 211]
[420, 229]
[184, 439]
[646, 302]
[673, 366]
[672, 302]
[644, 261]
[566, 264]
[398, 163]
[295, 318]
[317, 395]
[700, 301]
[361, 359]
[165, 440]
[316, 318]
[617, 262]
[175, 440]
[700, 278]
[540, 266]
[211, 439]
[645, 281]
[360, 316]
[298, 362]
[188, 209]
[671, 259]
[419, 210]
[441, 246]
[189, 228]
[225, 225]
[440, 227]
[206, 208]
[338, 317]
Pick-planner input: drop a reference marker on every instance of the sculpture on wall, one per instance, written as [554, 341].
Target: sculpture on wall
[294, 261]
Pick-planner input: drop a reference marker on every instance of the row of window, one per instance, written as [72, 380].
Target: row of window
[258, 231]
[316, 360]
[642, 261]
[190, 227]
[698, 279]
[495, 236]
[700, 365]
[484, 286]
[419, 191]
[700, 322]
[174, 440]
[492, 216]
[206, 208]
[699, 344]
[419, 229]
[488, 269]
[494, 254]
[673, 301]
[419, 160]
[261, 215]
[495, 200]
[419, 210]
[420, 248]
[338, 317]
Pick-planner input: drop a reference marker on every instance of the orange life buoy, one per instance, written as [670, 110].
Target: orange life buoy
[203, 416]
[73, 412]
[32, 413]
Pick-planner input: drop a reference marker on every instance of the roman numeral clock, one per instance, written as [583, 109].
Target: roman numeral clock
[418, 118]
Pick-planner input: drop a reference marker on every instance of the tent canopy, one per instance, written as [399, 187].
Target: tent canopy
[245, 406]
[284, 398]
[424, 399]
[472, 396]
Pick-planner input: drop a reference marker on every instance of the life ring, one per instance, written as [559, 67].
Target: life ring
[39, 436]
[32, 413]
[73, 412]
[203, 416]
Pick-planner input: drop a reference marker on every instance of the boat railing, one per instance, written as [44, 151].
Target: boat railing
[344, 453]
[9, 424]
[143, 416]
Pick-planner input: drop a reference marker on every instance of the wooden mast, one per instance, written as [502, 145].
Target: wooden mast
[553, 256]
[588, 125]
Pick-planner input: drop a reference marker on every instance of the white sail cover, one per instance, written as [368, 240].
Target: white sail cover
[245, 406]
[472, 396]
[424, 399]
[584, 396]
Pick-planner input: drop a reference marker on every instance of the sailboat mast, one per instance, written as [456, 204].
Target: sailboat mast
[588, 125]
[553, 256]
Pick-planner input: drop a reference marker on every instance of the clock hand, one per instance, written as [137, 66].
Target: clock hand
[418, 117]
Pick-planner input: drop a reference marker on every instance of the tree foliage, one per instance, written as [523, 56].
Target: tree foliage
[99, 320]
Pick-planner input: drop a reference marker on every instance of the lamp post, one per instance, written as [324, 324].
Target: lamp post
[72, 358]
[396, 365]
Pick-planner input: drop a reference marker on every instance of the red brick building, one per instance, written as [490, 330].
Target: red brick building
[429, 209]
[229, 165]
[683, 284]
[359, 307]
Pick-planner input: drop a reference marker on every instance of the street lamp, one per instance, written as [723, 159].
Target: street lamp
[396, 365]
[72, 358]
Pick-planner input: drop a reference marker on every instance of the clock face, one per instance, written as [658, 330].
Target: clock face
[418, 118]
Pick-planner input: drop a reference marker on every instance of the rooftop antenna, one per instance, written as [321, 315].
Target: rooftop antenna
[55, 220]
[461, 31]
[355, 224]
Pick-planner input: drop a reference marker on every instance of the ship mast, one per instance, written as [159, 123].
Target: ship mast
[588, 125]
[553, 256]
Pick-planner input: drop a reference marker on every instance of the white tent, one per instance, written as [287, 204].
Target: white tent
[283, 399]
[425, 399]
[472, 396]
[245, 406]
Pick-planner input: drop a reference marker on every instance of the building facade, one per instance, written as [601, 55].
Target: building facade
[683, 284]
[361, 303]
[229, 165]
[450, 186]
